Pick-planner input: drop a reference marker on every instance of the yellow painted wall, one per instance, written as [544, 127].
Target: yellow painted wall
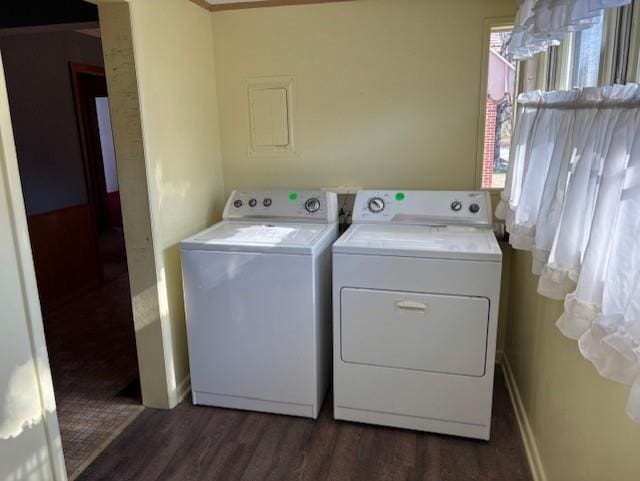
[576, 416]
[174, 60]
[134, 192]
[387, 91]
[160, 63]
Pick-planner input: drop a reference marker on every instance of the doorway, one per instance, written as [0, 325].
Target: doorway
[99, 160]
[59, 109]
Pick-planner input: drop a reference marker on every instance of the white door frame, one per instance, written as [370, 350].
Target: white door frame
[11, 197]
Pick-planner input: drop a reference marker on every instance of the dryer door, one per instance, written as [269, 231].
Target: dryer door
[418, 331]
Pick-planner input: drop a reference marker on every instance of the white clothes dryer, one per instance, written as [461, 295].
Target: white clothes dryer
[416, 288]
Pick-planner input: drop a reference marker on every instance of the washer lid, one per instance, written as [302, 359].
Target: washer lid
[275, 237]
[445, 242]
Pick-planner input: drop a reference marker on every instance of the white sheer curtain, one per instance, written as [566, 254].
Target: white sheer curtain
[542, 23]
[572, 197]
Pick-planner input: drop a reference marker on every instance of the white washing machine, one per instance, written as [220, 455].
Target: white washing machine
[416, 287]
[257, 291]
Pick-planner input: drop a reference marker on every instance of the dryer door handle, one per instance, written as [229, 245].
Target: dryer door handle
[412, 306]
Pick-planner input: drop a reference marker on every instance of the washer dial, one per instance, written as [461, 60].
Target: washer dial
[376, 205]
[456, 205]
[312, 205]
[253, 203]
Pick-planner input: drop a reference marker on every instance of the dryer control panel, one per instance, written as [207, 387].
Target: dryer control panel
[423, 207]
[315, 205]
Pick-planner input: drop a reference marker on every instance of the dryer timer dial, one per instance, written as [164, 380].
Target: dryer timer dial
[376, 205]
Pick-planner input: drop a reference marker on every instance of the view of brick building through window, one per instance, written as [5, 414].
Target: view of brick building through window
[499, 111]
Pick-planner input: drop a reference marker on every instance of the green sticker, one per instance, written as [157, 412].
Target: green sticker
[400, 196]
[293, 196]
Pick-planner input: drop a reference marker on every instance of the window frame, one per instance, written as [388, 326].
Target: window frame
[567, 51]
[620, 45]
[614, 52]
[490, 24]
[633, 67]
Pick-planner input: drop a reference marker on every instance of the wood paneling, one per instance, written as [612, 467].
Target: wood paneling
[65, 253]
[264, 3]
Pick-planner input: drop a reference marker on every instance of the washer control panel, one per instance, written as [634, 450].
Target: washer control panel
[423, 207]
[291, 204]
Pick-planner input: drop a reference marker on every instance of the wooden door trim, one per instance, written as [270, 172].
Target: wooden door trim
[266, 3]
[78, 68]
[75, 70]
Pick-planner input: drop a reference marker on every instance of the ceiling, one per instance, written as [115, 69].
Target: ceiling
[32, 13]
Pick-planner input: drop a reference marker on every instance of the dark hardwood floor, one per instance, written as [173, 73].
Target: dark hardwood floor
[201, 443]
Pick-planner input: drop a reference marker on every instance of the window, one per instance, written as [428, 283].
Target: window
[585, 62]
[603, 54]
[624, 33]
[501, 76]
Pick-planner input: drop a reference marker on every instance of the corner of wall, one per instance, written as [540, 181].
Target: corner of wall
[524, 426]
[217, 133]
[179, 141]
[140, 238]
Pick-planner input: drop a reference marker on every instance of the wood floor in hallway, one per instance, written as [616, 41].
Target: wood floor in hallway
[202, 443]
[92, 351]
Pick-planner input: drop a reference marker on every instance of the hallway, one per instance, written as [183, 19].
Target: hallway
[93, 362]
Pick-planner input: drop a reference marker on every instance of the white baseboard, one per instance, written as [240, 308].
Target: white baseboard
[528, 439]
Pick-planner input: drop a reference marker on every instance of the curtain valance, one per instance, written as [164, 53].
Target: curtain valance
[572, 198]
[542, 23]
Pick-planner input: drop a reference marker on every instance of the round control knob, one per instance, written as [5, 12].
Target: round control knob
[237, 203]
[253, 203]
[376, 205]
[266, 202]
[474, 208]
[312, 205]
[456, 205]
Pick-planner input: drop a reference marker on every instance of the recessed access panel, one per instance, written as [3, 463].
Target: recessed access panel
[417, 331]
[270, 116]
